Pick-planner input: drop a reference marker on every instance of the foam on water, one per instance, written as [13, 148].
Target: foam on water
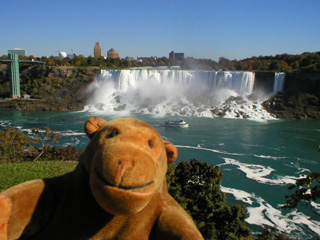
[4, 123]
[238, 194]
[175, 92]
[266, 214]
[269, 157]
[71, 133]
[316, 206]
[209, 149]
[259, 173]
[7, 124]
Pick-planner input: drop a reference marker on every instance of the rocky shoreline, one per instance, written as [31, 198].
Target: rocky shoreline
[301, 97]
[301, 106]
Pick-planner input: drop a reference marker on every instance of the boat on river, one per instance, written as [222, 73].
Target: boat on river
[179, 124]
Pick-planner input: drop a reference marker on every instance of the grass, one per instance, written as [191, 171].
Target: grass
[15, 173]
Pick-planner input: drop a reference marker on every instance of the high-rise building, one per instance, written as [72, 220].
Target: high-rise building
[113, 54]
[176, 56]
[97, 50]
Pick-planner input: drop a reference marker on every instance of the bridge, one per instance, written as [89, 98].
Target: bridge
[14, 72]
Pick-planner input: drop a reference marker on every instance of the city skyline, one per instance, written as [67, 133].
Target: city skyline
[200, 29]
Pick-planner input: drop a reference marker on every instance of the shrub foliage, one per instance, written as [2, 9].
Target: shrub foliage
[196, 186]
[307, 189]
[15, 146]
[12, 144]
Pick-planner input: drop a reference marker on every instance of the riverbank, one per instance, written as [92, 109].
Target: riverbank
[54, 105]
[301, 106]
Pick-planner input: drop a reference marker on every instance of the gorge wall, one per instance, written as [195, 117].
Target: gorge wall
[302, 82]
[300, 98]
[295, 82]
[264, 82]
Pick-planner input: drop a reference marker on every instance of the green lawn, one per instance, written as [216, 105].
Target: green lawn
[14, 173]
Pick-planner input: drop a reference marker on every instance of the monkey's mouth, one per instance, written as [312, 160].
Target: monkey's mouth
[120, 186]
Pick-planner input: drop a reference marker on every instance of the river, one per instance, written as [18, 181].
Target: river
[259, 159]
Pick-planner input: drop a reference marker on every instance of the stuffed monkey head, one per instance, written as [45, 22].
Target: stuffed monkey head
[127, 162]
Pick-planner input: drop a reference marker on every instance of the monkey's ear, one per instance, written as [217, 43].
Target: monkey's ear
[93, 125]
[172, 152]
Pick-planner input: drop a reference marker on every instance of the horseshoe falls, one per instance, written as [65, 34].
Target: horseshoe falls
[162, 92]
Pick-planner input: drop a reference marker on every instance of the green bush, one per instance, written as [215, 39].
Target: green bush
[272, 233]
[12, 144]
[15, 146]
[196, 186]
[307, 189]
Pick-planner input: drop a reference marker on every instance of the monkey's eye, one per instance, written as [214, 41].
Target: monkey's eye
[114, 133]
[150, 144]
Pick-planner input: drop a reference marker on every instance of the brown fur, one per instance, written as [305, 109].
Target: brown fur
[117, 191]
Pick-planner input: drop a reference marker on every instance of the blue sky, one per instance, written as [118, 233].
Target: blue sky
[235, 29]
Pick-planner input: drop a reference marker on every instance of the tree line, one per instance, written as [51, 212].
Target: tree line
[80, 60]
[306, 62]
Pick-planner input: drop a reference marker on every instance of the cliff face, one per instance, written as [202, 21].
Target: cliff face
[300, 99]
[68, 73]
[302, 82]
[52, 88]
[263, 82]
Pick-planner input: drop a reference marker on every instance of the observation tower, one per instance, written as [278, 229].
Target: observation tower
[14, 72]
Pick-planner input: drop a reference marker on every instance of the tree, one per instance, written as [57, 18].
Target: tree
[226, 63]
[272, 233]
[278, 65]
[295, 64]
[258, 65]
[12, 144]
[308, 189]
[15, 146]
[45, 138]
[196, 186]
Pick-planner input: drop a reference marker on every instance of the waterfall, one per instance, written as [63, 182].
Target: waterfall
[174, 92]
[240, 82]
[278, 84]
